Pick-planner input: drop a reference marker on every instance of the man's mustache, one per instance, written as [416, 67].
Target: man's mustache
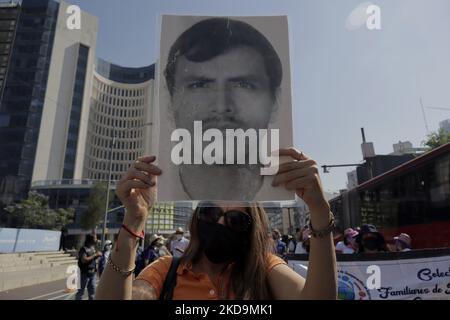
[217, 122]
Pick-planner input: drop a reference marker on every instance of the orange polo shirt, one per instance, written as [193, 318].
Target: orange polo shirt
[190, 285]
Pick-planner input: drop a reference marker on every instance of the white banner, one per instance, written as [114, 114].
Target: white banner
[402, 279]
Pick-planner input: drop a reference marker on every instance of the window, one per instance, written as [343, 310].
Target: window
[4, 120]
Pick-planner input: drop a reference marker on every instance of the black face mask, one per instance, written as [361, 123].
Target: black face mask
[220, 243]
[370, 244]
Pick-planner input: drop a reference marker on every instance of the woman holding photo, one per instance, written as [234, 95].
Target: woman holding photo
[229, 255]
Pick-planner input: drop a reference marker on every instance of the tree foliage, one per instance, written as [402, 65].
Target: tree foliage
[96, 206]
[34, 212]
[437, 139]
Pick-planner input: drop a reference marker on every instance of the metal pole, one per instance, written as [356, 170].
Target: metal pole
[290, 224]
[113, 142]
[424, 117]
[109, 176]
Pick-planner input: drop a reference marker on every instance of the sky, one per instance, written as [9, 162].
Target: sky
[342, 80]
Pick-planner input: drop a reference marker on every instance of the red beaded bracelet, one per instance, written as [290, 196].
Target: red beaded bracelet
[140, 236]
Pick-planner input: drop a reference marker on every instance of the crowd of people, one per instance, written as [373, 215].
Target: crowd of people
[364, 239]
[92, 261]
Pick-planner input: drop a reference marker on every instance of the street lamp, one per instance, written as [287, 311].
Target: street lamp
[113, 143]
[325, 167]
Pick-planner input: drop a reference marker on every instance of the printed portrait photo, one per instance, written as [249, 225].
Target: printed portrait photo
[224, 107]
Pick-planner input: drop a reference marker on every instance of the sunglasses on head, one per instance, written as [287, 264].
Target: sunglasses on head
[234, 219]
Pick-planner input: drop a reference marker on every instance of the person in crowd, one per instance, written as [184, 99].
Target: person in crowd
[179, 245]
[140, 264]
[348, 245]
[163, 250]
[303, 246]
[292, 243]
[63, 239]
[402, 242]
[229, 254]
[279, 245]
[369, 240]
[87, 262]
[105, 256]
[151, 253]
[285, 239]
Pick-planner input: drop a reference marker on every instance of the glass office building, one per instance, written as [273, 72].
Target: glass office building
[75, 113]
[120, 119]
[44, 101]
[23, 95]
[9, 14]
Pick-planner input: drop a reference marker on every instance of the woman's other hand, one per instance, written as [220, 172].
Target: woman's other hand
[302, 175]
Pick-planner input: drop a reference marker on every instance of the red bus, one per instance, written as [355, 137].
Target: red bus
[413, 198]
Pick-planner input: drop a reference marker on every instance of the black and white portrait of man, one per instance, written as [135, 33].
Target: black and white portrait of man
[222, 81]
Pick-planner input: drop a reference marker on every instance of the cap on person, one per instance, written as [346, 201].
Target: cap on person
[306, 235]
[369, 229]
[405, 238]
[155, 237]
[349, 232]
[179, 231]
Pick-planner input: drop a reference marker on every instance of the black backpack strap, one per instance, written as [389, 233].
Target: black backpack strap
[171, 280]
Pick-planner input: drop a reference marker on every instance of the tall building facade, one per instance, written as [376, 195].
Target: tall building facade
[445, 125]
[120, 121]
[66, 116]
[9, 14]
[60, 149]
[45, 102]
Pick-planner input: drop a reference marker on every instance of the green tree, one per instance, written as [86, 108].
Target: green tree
[34, 212]
[64, 217]
[96, 206]
[437, 139]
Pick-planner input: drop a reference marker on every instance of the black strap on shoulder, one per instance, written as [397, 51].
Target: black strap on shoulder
[171, 280]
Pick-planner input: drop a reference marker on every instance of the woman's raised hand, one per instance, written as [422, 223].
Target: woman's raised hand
[137, 187]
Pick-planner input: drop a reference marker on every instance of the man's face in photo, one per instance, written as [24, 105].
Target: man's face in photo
[229, 91]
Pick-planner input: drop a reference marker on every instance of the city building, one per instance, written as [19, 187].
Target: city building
[352, 179]
[286, 216]
[445, 125]
[413, 198]
[375, 165]
[67, 118]
[44, 107]
[9, 14]
[75, 194]
[165, 218]
[119, 131]
[120, 120]
[406, 147]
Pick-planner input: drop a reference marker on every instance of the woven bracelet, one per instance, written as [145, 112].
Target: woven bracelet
[324, 232]
[117, 269]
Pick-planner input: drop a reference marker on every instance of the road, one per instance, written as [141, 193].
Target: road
[54, 290]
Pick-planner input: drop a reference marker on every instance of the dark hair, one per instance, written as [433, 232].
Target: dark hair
[215, 36]
[276, 234]
[345, 241]
[249, 276]
[89, 240]
[381, 242]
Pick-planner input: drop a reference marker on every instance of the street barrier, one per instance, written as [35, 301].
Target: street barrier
[418, 274]
[28, 240]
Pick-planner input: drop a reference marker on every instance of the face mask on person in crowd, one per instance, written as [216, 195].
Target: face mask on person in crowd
[400, 246]
[351, 242]
[178, 236]
[370, 243]
[220, 243]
